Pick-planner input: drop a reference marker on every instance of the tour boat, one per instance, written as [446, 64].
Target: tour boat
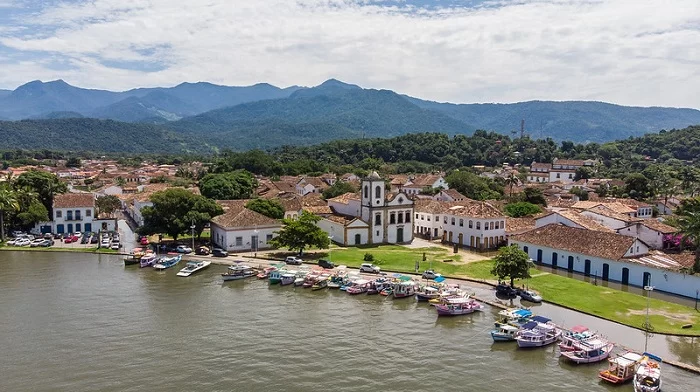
[404, 289]
[148, 260]
[193, 266]
[621, 368]
[358, 287]
[288, 278]
[589, 351]
[448, 293]
[458, 307]
[514, 317]
[504, 333]
[265, 272]
[427, 293]
[167, 262]
[538, 332]
[576, 334]
[647, 377]
[237, 272]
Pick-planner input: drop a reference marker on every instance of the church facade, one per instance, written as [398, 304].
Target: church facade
[372, 217]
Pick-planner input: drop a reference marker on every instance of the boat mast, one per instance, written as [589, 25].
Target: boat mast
[647, 325]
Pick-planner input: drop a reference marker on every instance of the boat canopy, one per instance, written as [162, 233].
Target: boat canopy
[540, 319]
[459, 300]
[506, 327]
[652, 356]
[523, 313]
[579, 328]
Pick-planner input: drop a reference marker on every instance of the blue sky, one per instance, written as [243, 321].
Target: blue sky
[632, 52]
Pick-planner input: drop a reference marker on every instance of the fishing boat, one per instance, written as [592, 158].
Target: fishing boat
[589, 351]
[647, 377]
[538, 332]
[288, 278]
[311, 279]
[275, 276]
[135, 256]
[358, 287]
[575, 335]
[426, 293]
[404, 289]
[447, 293]
[300, 277]
[167, 262]
[504, 333]
[237, 272]
[514, 317]
[193, 266]
[621, 368]
[148, 260]
[372, 288]
[265, 273]
[458, 307]
[321, 282]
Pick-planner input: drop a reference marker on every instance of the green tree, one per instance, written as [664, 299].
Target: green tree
[8, 203]
[301, 233]
[511, 263]
[174, 210]
[534, 196]
[107, 204]
[578, 191]
[234, 185]
[522, 208]
[583, 173]
[473, 186]
[337, 189]
[47, 185]
[510, 181]
[689, 228]
[269, 207]
[637, 186]
[73, 162]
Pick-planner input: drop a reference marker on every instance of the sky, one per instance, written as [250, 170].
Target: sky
[629, 52]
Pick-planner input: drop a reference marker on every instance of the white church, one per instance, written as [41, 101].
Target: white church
[372, 217]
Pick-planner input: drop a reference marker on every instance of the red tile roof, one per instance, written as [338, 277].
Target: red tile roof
[74, 200]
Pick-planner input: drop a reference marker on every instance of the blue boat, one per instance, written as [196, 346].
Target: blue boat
[504, 333]
[167, 262]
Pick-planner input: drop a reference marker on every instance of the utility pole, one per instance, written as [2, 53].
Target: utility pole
[647, 325]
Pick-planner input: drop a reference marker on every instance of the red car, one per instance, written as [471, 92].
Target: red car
[70, 238]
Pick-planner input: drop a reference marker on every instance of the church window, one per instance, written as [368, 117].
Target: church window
[461, 223]
[445, 220]
[378, 192]
[491, 226]
[392, 218]
[400, 220]
[377, 219]
[408, 216]
[497, 225]
[471, 224]
[478, 225]
[453, 221]
[366, 192]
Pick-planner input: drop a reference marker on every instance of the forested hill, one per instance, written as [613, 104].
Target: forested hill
[87, 134]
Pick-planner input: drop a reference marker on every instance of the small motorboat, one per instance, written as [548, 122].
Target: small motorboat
[288, 278]
[193, 266]
[514, 317]
[358, 287]
[148, 260]
[504, 333]
[621, 368]
[426, 293]
[321, 283]
[647, 377]
[167, 262]
[135, 256]
[300, 277]
[237, 272]
[404, 289]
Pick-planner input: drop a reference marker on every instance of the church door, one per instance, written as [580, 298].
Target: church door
[399, 235]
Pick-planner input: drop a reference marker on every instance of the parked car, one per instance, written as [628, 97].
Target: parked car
[85, 239]
[529, 295]
[506, 291]
[115, 245]
[371, 268]
[94, 239]
[78, 234]
[48, 236]
[293, 260]
[36, 243]
[183, 249]
[202, 251]
[46, 243]
[22, 242]
[218, 252]
[326, 264]
[430, 274]
[70, 238]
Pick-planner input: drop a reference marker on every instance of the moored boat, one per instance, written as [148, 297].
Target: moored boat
[275, 276]
[193, 266]
[514, 317]
[538, 332]
[575, 335]
[358, 287]
[135, 256]
[647, 377]
[458, 307]
[321, 282]
[404, 289]
[504, 333]
[238, 271]
[426, 293]
[288, 278]
[621, 368]
[167, 262]
[589, 351]
[148, 260]
[300, 277]
[265, 273]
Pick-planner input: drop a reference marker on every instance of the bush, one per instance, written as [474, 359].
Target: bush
[368, 257]
[517, 210]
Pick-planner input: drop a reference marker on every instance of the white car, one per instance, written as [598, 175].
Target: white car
[23, 242]
[183, 249]
[37, 242]
[115, 245]
[430, 274]
[371, 268]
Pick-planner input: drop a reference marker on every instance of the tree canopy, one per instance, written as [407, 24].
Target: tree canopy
[107, 204]
[45, 184]
[520, 209]
[337, 189]
[175, 210]
[238, 184]
[301, 233]
[269, 207]
[474, 186]
[511, 263]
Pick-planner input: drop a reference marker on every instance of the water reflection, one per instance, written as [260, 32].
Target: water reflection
[687, 349]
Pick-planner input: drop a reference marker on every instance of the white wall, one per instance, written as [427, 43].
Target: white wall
[606, 221]
[73, 222]
[555, 218]
[226, 239]
[671, 282]
[651, 237]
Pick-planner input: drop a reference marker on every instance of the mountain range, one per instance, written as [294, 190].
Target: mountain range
[203, 116]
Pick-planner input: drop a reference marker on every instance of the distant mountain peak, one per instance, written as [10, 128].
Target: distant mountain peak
[335, 83]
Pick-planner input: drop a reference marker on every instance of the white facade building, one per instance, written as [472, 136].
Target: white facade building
[74, 212]
[650, 231]
[239, 229]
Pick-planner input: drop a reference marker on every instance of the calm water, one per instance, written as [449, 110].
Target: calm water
[73, 322]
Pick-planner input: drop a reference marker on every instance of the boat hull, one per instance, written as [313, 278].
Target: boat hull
[501, 337]
[582, 357]
[131, 261]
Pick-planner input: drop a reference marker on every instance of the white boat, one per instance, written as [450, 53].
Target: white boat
[300, 277]
[239, 271]
[167, 262]
[288, 277]
[589, 351]
[193, 266]
[647, 377]
[538, 332]
[504, 333]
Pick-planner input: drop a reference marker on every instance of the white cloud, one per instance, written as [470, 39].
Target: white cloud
[641, 52]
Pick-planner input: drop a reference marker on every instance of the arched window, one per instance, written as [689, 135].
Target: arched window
[378, 192]
[377, 219]
[366, 192]
[471, 224]
[461, 223]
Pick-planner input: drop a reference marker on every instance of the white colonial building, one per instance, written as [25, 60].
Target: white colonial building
[650, 231]
[239, 229]
[75, 212]
[608, 256]
[468, 223]
[372, 217]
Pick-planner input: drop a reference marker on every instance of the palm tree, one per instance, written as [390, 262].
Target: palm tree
[511, 181]
[689, 228]
[8, 202]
